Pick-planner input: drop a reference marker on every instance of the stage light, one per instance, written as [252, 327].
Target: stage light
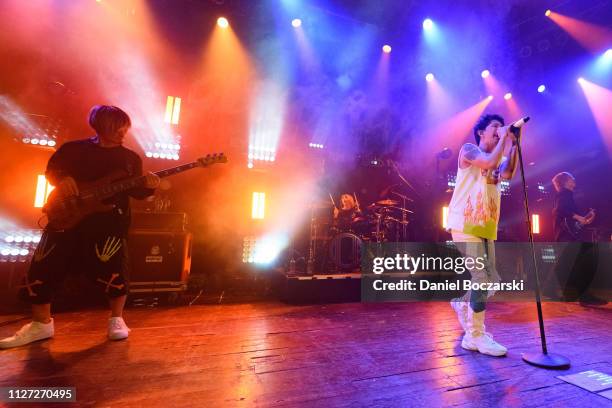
[51, 143]
[386, 48]
[541, 88]
[429, 77]
[485, 73]
[258, 207]
[173, 110]
[9, 238]
[250, 165]
[444, 217]
[490, 97]
[535, 223]
[43, 189]
[581, 80]
[507, 96]
[547, 13]
[608, 53]
[296, 22]
[222, 22]
[427, 24]
[34, 141]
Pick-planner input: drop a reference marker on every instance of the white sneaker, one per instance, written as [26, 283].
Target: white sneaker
[29, 333]
[117, 329]
[484, 344]
[461, 308]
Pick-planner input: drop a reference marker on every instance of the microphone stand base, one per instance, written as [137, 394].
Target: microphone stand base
[540, 359]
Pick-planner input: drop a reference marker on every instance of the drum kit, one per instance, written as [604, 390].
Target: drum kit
[336, 246]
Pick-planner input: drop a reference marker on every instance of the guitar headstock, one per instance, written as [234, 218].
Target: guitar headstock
[212, 159]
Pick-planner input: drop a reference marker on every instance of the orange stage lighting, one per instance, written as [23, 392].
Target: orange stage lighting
[444, 217]
[599, 100]
[43, 189]
[173, 110]
[535, 223]
[259, 205]
[592, 37]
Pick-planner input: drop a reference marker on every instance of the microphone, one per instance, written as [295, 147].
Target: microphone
[518, 124]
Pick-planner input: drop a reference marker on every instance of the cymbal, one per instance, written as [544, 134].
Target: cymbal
[387, 202]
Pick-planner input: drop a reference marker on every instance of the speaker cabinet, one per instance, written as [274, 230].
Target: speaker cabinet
[160, 261]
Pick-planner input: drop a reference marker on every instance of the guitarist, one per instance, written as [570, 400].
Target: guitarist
[577, 263]
[565, 212]
[97, 244]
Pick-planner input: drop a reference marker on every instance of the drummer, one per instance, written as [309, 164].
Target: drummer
[348, 212]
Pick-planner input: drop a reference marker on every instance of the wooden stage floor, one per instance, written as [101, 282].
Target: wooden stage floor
[337, 355]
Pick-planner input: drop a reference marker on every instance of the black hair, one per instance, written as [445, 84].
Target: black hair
[483, 122]
[105, 119]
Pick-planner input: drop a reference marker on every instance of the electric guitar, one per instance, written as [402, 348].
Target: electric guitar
[65, 212]
[574, 227]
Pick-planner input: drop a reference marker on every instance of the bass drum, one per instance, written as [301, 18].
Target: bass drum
[345, 251]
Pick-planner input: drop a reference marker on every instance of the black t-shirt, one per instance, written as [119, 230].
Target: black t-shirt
[86, 161]
[564, 208]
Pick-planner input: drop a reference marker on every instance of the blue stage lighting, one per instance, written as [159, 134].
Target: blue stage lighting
[541, 88]
[427, 24]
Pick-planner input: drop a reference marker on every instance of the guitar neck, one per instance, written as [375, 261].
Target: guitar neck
[138, 181]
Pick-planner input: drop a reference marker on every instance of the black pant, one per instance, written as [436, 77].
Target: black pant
[576, 269]
[96, 246]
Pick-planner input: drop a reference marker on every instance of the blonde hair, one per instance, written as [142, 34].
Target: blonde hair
[560, 180]
[350, 198]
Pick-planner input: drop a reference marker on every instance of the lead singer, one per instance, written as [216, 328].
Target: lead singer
[473, 219]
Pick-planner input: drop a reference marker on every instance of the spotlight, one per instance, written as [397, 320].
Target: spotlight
[34, 141]
[541, 88]
[427, 24]
[490, 97]
[547, 13]
[485, 73]
[507, 96]
[296, 22]
[429, 77]
[250, 165]
[51, 143]
[580, 80]
[222, 22]
[386, 48]
[608, 53]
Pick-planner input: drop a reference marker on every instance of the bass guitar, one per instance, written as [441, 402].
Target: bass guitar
[65, 212]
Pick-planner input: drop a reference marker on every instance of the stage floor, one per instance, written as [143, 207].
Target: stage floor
[273, 354]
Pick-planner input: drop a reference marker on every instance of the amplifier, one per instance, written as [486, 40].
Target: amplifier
[159, 260]
[159, 221]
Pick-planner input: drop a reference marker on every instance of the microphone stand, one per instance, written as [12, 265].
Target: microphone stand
[543, 359]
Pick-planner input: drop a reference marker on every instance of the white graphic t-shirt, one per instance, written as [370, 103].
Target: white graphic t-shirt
[474, 207]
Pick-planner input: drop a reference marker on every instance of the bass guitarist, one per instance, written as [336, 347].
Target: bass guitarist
[97, 244]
